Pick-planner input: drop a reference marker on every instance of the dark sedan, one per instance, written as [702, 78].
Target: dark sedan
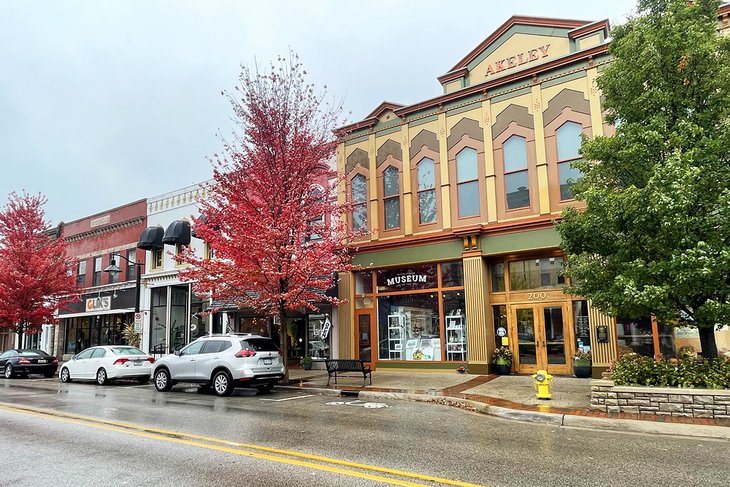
[22, 362]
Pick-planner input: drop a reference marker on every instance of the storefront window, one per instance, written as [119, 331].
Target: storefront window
[499, 316]
[158, 321]
[318, 336]
[452, 274]
[498, 277]
[71, 331]
[364, 282]
[454, 308]
[199, 320]
[536, 273]
[178, 314]
[582, 328]
[408, 327]
[635, 335]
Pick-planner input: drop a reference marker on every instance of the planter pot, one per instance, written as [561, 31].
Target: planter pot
[307, 366]
[502, 368]
[582, 369]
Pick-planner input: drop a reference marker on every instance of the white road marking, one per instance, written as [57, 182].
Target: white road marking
[288, 398]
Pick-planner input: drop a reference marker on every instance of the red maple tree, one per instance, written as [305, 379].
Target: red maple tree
[36, 277]
[275, 228]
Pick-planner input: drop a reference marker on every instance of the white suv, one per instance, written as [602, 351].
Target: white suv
[223, 362]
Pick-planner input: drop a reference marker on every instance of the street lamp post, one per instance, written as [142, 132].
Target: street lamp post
[114, 269]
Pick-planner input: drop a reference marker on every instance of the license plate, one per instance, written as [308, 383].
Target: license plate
[137, 363]
[267, 361]
[42, 361]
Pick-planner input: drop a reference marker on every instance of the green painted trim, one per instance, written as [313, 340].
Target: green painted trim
[563, 79]
[417, 364]
[410, 255]
[357, 140]
[421, 121]
[517, 29]
[545, 238]
[473, 105]
[522, 91]
[388, 130]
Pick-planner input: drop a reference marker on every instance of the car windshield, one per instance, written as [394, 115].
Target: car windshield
[127, 351]
[259, 345]
[33, 353]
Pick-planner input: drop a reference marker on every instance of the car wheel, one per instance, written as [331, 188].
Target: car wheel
[8, 371]
[222, 383]
[163, 383]
[143, 380]
[101, 378]
[65, 375]
[265, 388]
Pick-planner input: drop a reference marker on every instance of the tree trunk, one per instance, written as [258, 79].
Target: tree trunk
[284, 343]
[707, 341]
[19, 332]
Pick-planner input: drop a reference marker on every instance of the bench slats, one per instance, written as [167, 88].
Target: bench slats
[335, 366]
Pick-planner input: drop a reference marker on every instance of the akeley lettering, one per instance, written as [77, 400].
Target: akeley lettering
[517, 60]
[405, 279]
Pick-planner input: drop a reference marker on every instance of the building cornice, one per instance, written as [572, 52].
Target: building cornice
[114, 227]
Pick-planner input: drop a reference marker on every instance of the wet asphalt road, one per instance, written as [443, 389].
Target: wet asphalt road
[209, 440]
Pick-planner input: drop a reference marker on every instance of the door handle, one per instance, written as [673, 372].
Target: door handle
[216, 358]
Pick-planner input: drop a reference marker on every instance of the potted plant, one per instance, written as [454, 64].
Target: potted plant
[502, 360]
[306, 362]
[582, 363]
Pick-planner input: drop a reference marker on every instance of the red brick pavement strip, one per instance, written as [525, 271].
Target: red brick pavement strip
[457, 392]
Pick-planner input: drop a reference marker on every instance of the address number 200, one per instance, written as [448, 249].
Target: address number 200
[537, 296]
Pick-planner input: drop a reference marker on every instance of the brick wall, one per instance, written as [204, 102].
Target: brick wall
[660, 401]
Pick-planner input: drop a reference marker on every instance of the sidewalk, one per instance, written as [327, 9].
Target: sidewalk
[509, 397]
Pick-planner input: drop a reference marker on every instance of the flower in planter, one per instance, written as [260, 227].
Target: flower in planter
[582, 356]
[502, 355]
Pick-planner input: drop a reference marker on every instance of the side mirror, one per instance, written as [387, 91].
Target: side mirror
[74, 357]
[177, 352]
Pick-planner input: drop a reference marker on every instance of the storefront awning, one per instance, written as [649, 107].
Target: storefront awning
[178, 232]
[151, 238]
[202, 219]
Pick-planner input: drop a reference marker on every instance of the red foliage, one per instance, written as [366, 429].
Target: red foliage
[35, 274]
[265, 207]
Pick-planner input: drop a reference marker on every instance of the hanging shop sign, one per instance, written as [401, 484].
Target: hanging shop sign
[326, 326]
[99, 304]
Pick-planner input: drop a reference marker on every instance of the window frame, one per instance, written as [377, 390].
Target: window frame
[131, 264]
[513, 129]
[97, 273]
[478, 146]
[154, 260]
[425, 153]
[359, 171]
[551, 149]
[81, 278]
[115, 277]
[389, 162]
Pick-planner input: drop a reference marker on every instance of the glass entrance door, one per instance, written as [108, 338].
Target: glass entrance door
[542, 336]
[364, 338]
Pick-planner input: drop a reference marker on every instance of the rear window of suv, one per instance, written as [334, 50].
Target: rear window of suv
[259, 345]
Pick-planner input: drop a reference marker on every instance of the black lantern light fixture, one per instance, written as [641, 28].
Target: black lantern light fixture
[114, 269]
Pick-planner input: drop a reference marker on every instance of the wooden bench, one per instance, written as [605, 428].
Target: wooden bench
[338, 366]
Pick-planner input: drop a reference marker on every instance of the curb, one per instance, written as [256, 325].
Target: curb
[555, 419]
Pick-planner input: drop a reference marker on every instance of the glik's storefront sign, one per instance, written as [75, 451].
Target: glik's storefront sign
[519, 59]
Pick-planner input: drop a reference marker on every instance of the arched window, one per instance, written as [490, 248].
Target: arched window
[426, 191]
[516, 178]
[568, 141]
[391, 198]
[359, 199]
[467, 182]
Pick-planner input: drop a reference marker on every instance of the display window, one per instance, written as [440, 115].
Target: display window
[421, 313]
[318, 336]
[637, 335]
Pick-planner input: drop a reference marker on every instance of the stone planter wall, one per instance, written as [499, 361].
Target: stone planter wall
[660, 401]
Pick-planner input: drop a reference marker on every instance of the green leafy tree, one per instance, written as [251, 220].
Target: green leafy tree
[655, 234]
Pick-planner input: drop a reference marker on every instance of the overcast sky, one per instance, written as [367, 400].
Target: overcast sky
[106, 102]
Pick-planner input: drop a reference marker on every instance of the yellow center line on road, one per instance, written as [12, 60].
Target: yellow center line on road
[235, 448]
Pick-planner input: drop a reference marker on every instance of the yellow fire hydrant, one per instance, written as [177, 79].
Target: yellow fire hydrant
[542, 381]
